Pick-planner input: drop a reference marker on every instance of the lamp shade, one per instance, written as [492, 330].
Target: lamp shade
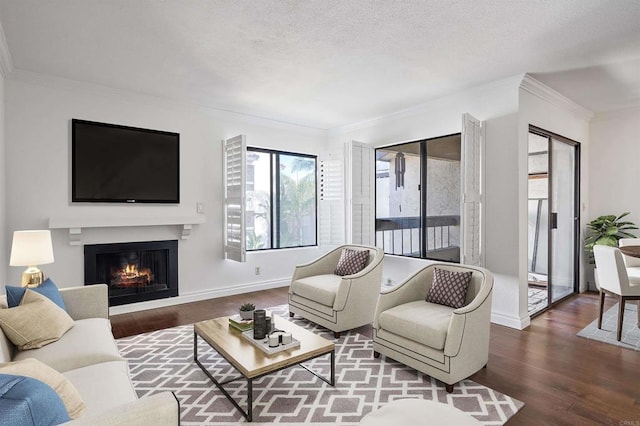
[31, 248]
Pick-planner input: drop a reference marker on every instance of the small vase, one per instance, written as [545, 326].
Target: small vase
[246, 315]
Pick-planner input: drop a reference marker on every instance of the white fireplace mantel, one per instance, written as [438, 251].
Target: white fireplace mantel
[75, 225]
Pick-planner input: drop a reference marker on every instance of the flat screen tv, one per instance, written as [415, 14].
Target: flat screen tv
[120, 164]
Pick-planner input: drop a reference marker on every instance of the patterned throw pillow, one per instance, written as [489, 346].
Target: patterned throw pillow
[351, 261]
[449, 288]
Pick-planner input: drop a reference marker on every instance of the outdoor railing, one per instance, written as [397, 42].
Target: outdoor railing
[401, 235]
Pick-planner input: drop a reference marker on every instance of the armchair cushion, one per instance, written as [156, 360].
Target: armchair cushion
[419, 321]
[351, 261]
[449, 288]
[320, 288]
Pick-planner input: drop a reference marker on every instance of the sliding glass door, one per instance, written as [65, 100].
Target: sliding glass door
[564, 219]
[553, 246]
[418, 190]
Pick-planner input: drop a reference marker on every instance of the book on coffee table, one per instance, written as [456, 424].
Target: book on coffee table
[240, 324]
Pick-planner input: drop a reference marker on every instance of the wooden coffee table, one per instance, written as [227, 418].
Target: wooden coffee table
[251, 362]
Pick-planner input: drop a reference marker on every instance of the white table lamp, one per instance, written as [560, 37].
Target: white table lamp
[31, 248]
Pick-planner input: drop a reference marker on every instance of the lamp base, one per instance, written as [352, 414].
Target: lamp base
[32, 277]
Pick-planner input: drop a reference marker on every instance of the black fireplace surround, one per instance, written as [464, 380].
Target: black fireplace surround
[134, 272]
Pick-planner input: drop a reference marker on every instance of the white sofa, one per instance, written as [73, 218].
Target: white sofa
[88, 357]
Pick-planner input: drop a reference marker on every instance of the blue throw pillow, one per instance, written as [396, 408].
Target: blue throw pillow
[29, 402]
[48, 289]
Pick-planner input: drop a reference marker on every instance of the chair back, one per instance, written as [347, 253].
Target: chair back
[611, 270]
[630, 261]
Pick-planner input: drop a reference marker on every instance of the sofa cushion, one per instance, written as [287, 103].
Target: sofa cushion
[449, 288]
[351, 261]
[89, 342]
[103, 386]
[25, 401]
[47, 288]
[321, 288]
[420, 321]
[35, 323]
[35, 369]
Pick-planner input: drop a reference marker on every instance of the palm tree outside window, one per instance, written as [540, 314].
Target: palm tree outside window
[281, 199]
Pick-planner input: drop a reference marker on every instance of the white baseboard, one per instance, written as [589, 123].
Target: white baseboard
[201, 295]
[510, 321]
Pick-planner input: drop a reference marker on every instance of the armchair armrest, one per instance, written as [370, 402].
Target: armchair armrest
[472, 320]
[413, 288]
[161, 409]
[89, 301]
[362, 286]
[325, 264]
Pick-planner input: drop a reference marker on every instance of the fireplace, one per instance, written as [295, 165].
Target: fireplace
[134, 272]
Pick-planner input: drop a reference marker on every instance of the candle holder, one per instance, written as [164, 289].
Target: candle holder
[259, 324]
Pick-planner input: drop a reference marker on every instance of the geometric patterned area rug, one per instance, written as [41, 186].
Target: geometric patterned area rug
[630, 331]
[163, 360]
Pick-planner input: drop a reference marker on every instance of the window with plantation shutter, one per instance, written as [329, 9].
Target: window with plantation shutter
[360, 202]
[234, 198]
[330, 194]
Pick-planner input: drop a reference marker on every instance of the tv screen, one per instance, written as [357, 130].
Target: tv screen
[120, 164]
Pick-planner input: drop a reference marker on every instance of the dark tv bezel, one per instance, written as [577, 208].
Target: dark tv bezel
[76, 199]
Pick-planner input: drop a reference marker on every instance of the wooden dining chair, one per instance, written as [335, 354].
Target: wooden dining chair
[613, 279]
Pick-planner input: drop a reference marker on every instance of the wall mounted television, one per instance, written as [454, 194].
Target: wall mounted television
[120, 164]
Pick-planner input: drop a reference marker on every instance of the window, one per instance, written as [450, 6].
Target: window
[280, 199]
[418, 190]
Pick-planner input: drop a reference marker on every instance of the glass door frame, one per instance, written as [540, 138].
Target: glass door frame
[551, 208]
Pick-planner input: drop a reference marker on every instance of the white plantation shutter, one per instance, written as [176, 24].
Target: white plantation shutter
[472, 194]
[235, 153]
[360, 219]
[330, 193]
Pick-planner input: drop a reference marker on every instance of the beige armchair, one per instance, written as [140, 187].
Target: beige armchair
[336, 302]
[447, 344]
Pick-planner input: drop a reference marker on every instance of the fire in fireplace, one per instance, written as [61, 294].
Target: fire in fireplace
[134, 272]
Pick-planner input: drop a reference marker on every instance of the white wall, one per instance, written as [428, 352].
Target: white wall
[614, 164]
[496, 104]
[614, 161]
[542, 107]
[38, 114]
[4, 245]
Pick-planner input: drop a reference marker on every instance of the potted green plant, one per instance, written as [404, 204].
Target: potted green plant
[246, 311]
[606, 231]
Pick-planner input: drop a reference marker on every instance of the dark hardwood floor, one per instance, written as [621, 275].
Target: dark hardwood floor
[563, 379]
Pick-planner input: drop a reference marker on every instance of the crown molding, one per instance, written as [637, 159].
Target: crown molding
[548, 94]
[62, 83]
[6, 64]
[436, 102]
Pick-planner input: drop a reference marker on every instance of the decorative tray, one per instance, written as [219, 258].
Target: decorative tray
[263, 344]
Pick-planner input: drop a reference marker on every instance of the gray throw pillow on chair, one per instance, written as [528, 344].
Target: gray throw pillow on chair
[449, 288]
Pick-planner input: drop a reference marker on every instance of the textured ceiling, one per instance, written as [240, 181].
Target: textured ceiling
[326, 63]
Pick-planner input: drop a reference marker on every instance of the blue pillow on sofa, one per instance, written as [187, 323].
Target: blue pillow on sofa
[29, 402]
[48, 289]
